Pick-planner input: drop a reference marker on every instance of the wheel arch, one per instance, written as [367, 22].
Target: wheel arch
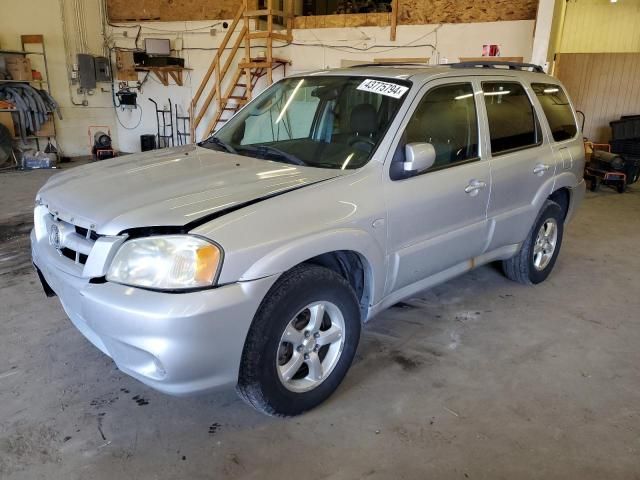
[353, 254]
[354, 268]
[562, 196]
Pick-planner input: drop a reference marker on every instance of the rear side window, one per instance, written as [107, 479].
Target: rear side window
[557, 110]
[512, 121]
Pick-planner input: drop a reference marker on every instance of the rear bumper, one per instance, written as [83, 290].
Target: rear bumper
[176, 343]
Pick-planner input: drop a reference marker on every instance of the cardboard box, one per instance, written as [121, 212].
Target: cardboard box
[6, 119]
[47, 129]
[19, 67]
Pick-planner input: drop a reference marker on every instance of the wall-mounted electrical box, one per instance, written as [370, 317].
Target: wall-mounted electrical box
[86, 71]
[103, 70]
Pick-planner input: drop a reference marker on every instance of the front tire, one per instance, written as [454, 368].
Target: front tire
[301, 343]
[538, 254]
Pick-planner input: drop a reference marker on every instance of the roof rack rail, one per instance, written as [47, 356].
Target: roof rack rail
[495, 64]
[389, 64]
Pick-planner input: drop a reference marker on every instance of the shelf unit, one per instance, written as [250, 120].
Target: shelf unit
[22, 52]
[43, 84]
[164, 73]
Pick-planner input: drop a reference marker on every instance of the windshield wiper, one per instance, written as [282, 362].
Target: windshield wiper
[269, 151]
[221, 143]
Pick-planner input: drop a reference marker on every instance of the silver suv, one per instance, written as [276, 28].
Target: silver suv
[253, 258]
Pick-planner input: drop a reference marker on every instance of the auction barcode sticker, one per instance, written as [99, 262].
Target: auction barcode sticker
[383, 88]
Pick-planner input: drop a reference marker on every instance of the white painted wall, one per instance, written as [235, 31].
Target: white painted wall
[20, 17]
[325, 48]
[314, 49]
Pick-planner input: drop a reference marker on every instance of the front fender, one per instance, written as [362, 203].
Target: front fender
[298, 251]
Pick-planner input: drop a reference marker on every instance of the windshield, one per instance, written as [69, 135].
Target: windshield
[324, 121]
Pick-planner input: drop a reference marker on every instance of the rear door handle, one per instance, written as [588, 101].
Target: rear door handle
[474, 187]
[540, 169]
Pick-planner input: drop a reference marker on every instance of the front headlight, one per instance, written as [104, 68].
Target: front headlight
[166, 262]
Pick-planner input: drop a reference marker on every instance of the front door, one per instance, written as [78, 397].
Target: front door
[437, 219]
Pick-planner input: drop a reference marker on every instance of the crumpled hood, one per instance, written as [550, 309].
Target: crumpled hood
[171, 187]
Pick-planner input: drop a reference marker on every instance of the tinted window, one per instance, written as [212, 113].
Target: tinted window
[512, 122]
[446, 118]
[557, 110]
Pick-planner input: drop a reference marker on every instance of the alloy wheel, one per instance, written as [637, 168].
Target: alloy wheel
[545, 244]
[310, 346]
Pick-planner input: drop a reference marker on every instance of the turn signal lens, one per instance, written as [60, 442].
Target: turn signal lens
[207, 260]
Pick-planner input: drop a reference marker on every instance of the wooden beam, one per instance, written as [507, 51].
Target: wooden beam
[177, 76]
[162, 76]
[282, 36]
[250, 65]
[264, 12]
[32, 39]
[247, 50]
[288, 15]
[394, 19]
[270, 43]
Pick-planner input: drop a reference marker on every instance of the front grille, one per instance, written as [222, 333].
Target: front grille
[76, 242]
[83, 231]
[71, 255]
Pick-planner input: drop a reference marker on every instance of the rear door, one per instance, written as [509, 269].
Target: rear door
[562, 125]
[437, 219]
[522, 164]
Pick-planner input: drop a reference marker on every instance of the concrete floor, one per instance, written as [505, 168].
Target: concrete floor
[478, 378]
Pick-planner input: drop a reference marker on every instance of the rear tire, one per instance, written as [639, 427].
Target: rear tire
[301, 343]
[538, 254]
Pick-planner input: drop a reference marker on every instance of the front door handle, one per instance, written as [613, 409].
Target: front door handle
[540, 169]
[474, 187]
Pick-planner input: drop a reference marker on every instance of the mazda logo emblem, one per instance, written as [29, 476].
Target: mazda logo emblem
[54, 237]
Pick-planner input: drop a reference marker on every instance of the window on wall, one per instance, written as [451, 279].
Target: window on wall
[557, 110]
[446, 118]
[512, 121]
[330, 7]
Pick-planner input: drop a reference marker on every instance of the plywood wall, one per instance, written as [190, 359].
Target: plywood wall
[410, 12]
[603, 85]
[173, 10]
[341, 21]
[417, 12]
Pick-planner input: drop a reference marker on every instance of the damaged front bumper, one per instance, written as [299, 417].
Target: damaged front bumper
[177, 343]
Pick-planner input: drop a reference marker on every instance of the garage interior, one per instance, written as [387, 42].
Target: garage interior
[478, 377]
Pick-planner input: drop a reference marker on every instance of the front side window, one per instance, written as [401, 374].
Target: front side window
[446, 118]
[557, 110]
[512, 121]
[317, 121]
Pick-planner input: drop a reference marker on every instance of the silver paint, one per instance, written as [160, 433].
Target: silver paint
[409, 234]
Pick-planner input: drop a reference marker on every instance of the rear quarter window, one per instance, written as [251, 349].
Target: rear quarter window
[557, 110]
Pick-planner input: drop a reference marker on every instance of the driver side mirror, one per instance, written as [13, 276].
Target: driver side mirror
[418, 157]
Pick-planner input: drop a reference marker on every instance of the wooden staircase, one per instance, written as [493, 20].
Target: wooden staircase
[228, 89]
